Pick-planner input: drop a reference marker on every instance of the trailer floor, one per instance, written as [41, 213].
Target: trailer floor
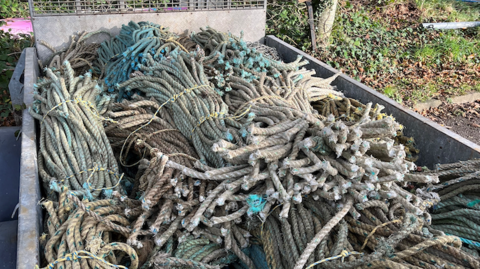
[10, 151]
[8, 244]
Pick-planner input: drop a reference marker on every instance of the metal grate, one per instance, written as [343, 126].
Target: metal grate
[85, 7]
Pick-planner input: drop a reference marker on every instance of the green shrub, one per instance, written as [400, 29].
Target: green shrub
[10, 50]
[13, 9]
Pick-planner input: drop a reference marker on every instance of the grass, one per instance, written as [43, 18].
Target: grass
[10, 51]
[452, 44]
[448, 10]
[392, 92]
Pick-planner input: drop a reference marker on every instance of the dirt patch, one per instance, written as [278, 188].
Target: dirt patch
[468, 128]
[463, 119]
[401, 14]
[398, 15]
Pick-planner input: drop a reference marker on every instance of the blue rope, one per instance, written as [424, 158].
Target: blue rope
[258, 257]
[122, 54]
[468, 241]
[256, 254]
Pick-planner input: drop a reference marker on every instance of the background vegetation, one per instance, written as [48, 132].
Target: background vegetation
[383, 44]
[13, 9]
[10, 49]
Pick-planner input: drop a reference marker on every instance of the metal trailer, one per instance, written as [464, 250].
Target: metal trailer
[54, 21]
[436, 143]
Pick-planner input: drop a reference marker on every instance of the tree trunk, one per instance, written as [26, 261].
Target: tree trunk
[325, 23]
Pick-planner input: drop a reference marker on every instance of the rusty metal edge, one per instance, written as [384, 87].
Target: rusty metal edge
[437, 144]
[30, 213]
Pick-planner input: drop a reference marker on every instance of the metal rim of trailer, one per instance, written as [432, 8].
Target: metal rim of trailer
[54, 21]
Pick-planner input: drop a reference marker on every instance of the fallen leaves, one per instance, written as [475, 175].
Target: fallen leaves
[445, 111]
[377, 43]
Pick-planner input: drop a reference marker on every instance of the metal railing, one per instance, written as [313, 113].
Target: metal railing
[88, 7]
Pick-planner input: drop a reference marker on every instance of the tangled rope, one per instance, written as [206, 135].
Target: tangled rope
[457, 213]
[71, 231]
[121, 56]
[226, 162]
[79, 53]
[74, 150]
[352, 110]
[266, 51]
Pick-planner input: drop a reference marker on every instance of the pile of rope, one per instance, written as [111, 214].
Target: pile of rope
[120, 56]
[224, 161]
[384, 237]
[80, 53]
[458, 213]
[86, 236]
[282, 143]
[74, 150]
[351, 110]
[229, 58]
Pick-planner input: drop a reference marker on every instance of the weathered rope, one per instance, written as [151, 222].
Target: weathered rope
[224, 161]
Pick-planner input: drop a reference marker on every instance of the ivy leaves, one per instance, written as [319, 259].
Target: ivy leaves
[13, 9]
[289, 21]
[10, 50]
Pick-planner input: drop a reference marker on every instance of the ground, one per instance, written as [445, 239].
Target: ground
[463, 119]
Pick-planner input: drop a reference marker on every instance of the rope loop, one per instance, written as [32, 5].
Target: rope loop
[344, 254]
[87, 104]
[375, 229]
